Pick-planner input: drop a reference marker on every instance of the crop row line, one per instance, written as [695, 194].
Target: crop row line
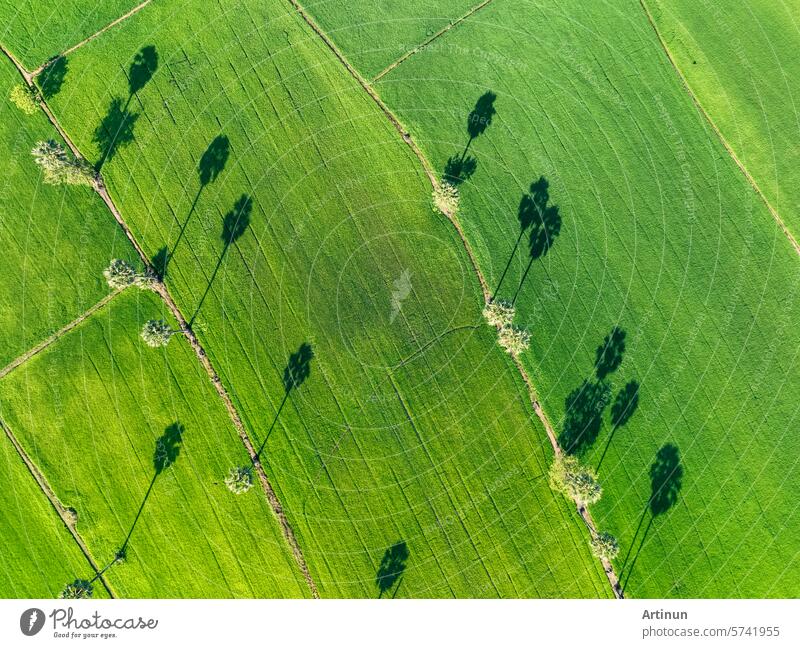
[717, 131]
[428, 168]
[429, 40]
[161, 289]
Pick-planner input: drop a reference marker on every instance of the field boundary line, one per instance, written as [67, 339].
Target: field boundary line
[16, 362]
[62, 512]
[583, 512]
[88, 39]
[429, 40]
[161, 289]
[717, 131]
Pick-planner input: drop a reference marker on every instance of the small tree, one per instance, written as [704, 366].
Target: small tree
[25, 98]
[120, 274]
[514, 340]
[499, 313]
[239, 479]
[446, 198]
[61, 168]
[77, 589]
[574, 480]
[157, 333]
[605, 546]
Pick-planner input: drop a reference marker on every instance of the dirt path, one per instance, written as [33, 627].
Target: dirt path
[426, 165]
[16, 362]
[66, 516]
[113, 23]
[427, 42]
[163, 292]
[716, 130]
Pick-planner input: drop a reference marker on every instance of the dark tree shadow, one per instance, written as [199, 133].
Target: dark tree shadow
[666, 479]
[159, 262]
[116, 128]
[143, 66]
[167, 449]
[622, 409]
[211, 164]
[114, 131]
[392, 567]
[296, 372]
[52, 77]
[583, 416]
[609, 354]
[531, 207]
[459, 169]
[545, 227]
[234, 225]
[480, 117]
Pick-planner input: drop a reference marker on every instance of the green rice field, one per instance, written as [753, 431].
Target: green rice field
[326, 196]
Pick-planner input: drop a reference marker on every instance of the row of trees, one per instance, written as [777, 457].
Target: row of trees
[567, 474]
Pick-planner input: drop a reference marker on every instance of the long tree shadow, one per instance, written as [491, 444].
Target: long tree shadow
[296, 372]
[545, 227]
[666, 479]
[167, 449]
[480, 118]
[211, 164]
[234, 226]
[624, 406]
[460, 167]
[609, 354]
[584, 406]
[583, 416]
[392, 567]
[531, 208]
[116, 128]
[142, 69]
[51, 78]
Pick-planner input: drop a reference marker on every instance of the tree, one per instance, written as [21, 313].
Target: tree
[445, 198]
[239, 479]
[574, 480]
[514, 340]
[605, 546]
[157, 333]
[120, 274]
[25, 98]
[77, 589]
[60, 167]
[499, 313]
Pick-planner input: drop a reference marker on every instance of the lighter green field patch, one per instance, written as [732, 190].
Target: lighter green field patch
[89, 411]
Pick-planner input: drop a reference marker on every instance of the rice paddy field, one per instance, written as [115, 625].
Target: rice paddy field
[741, 65]
[55, 240]
[90, 411]
[37, 30]
[273, 164]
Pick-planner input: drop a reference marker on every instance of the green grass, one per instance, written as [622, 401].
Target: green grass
[56, 240]
[412, 427]
[375, 34]
[662, 236]
[741, 63]
[89, 410]
[39, 556]
[35, 30]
